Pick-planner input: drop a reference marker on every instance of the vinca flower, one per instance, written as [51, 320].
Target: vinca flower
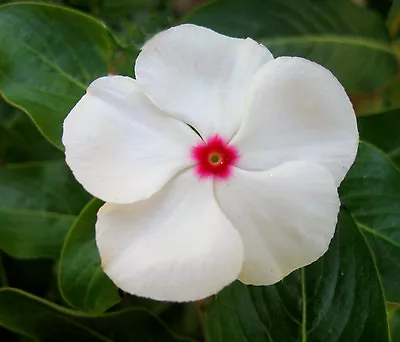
[218, 162]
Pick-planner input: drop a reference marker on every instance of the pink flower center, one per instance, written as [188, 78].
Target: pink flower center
[214, 158]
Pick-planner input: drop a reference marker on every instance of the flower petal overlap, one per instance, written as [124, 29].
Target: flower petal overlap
[297, 110]
[177, 245]
[120, 146]
[200, 77]
[286, 217]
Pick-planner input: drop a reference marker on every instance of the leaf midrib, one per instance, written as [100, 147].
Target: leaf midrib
[38, 213]
[377, 234]
[63, 313]
[55, 67]
[329, 38]
[373, 258]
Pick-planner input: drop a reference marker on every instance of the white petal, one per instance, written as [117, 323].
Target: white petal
[286, 217]
[200, 76]
[298, 111]
[119, 146]
[176, 246]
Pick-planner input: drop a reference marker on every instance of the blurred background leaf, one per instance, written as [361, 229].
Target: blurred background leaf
[39, 203]
[350, 41]
[380, 101]
[394, 19]
[382, 130]
[54, 323]
[395, 324]
[39, 196]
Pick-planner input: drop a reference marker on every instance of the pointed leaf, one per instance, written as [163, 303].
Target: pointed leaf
[49, 55]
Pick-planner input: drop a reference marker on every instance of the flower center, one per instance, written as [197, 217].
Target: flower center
[214, 158]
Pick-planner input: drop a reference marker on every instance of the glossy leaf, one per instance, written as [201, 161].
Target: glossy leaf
[337, 298]
[49, 55]
[382, 130]
[45, 321]
[82, 281]
[350, 41]
[371, 191]
[38, 204]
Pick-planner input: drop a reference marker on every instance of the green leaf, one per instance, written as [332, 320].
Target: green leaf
[382, 130]
[6, 112]
[394, 18]
[38, 319]
[3, 274]
[20, 141]
[33, 276]
[45, 321]
[381, 101]
[38, 204]
[371, 191]
[82, 281]
[350, 41]
[49, 55]
[395, 325]
[379, 6]
[337, 298]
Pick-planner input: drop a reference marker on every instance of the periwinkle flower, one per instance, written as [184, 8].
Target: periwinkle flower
[218, 162]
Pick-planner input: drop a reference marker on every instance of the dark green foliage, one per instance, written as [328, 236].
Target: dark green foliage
[52, 287]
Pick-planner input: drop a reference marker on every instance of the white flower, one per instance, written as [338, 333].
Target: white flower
[253, 199]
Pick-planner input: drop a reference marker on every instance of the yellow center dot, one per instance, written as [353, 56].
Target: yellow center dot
[215, 158]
